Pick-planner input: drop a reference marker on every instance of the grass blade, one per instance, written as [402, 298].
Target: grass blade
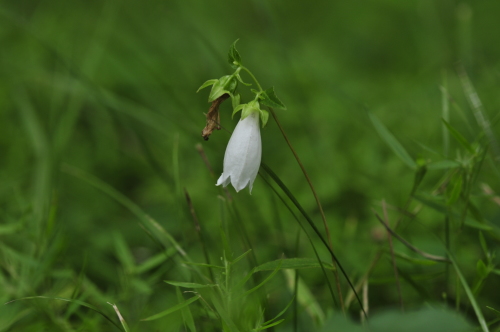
[393, 143]
[477, 310]
[173, 309]
[293, 263]
[124, 323]
[316, 230]
[84, 304]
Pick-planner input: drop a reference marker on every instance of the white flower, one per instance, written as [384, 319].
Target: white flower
[243, 153]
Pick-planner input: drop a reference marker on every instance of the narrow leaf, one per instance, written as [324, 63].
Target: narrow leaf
[207, 83]
[264, 281]
[390, 140]
[444, 210]
[72, 301]
[293, 263]
[173, 309]
[233, 56]
[455, 192]
[187, 317]
[472, 299]
[481, 269]
[205, 265]
[269, 98]
[460, 139]
[237, 259]
[281, 313]
[269, 325]
[226, 84]
[124, 323]
[443, 164]
[187, 284]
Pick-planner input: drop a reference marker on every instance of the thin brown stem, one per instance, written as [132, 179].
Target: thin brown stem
[306, 175]
[409, 245]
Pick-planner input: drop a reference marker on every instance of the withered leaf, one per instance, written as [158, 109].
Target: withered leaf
[213, 118]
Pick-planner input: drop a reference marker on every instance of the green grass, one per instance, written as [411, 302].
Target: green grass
[100, 147]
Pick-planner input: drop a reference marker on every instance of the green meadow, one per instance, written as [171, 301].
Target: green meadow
[377, 203]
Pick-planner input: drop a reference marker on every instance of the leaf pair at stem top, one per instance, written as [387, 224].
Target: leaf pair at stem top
[227, 85]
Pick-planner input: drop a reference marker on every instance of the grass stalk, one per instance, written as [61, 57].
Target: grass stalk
[318, 203]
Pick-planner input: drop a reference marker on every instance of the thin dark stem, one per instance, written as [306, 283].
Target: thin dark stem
[298, 239]
[409, 245]
[323, 217]
[316, 230]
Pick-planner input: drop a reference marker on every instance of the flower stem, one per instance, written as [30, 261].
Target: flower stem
[337, 280]
[323, 217]
[253, 77]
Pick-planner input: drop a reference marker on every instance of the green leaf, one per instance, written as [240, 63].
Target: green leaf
[227, 323]
[173, 309]
[481, 269]
[264, 281]
[494, 310]
[455, 192]
[250, 108]
[205, 265]
[72, 301]
[187, 317]
[226, 84]
[414, 260]
[233, 56]
[264, 117]
[482, 240]
[268, 326]
[235, 101]
[207, 83]
[241, 80]
[443, 164]
[187, 284]
[270, 99]
[470, 295]
[240, 257]
[393, 143]
[281, 313]
[124, 255]
[444, 210]
[460, 139]
[305, 297]
[293, 263]
[238, 108]
[120, 317]
[419, 176]
[155, 261]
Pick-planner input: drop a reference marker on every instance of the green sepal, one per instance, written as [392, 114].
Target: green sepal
[238, 108]
[234, 57]
[270, 99]
[235, 101]
[247, 109]
[241, 80]
[207, 83]
[226, 84]
[264, 116]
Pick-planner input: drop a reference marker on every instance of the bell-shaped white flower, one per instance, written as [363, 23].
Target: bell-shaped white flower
[243, 154]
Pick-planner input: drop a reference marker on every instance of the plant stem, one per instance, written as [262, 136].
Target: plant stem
[306, 175]
[323, 217]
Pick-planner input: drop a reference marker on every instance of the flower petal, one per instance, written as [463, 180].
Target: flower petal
[243, 154]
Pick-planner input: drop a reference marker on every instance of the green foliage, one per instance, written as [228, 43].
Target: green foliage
[99, 124]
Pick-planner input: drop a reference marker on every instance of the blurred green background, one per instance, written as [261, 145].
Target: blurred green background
[107, 89]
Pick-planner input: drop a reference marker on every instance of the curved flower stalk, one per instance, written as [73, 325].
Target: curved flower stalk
[243, 154]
